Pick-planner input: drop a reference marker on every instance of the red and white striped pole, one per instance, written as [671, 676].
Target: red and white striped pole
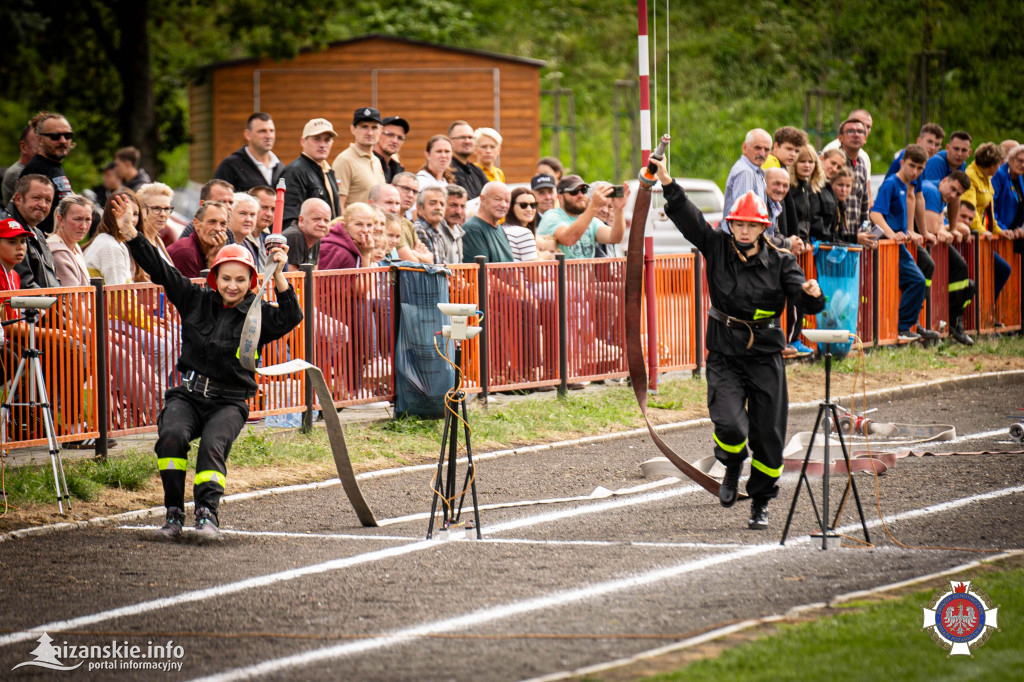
[643, 50]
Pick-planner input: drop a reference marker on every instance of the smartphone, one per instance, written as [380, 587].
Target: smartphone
[617, 191]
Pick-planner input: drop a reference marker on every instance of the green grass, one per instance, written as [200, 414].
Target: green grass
[535, 419]
[876, 641]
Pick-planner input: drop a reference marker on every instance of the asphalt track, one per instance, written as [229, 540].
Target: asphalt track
[298, 590]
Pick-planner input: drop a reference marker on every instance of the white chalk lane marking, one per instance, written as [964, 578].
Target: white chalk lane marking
[490, 614]
[314, 569]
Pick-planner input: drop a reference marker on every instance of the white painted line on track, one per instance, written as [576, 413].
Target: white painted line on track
[333, 565]
[282, 534]
[617, 543]
[490, 614]
[598, 494]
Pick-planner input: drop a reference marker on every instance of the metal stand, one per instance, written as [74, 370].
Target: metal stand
[827, 416]
[450, 445]
[31, 356]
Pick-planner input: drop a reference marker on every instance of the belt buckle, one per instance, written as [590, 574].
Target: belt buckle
[206, 387]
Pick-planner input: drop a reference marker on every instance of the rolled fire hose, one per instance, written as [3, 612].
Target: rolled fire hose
[634, 343]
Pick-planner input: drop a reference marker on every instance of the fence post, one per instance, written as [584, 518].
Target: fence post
[874, 298]
[698, 309]
[309, 315]
[481, 285]
[928, 297]
[563, 327]
[976, 238]
[101, 381]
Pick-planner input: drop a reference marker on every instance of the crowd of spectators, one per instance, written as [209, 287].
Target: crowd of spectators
[373, 203]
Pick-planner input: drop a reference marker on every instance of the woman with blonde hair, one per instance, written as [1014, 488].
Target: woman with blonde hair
[155, 199]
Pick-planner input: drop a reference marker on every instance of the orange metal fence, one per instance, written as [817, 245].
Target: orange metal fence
[67, 362]
[351, 332]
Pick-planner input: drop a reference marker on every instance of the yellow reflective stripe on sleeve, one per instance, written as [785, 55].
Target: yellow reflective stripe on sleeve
[211, 475]
[762, 314]
[927, 282]
[171, 463]
[730, 448]
[959, 286]
[765, 469]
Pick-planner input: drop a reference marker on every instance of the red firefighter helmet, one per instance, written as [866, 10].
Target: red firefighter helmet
[232, 253]
[749, 208]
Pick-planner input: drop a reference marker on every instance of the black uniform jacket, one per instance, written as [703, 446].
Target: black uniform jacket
[211, 333]
[753, 290]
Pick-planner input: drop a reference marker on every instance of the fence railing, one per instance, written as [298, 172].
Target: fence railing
[108, 352]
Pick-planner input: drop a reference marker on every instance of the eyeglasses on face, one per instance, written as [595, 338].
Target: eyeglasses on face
[159, 209]
[522, 204]
[582, 189]
[56, 136]
[463, 137]
[406, 188]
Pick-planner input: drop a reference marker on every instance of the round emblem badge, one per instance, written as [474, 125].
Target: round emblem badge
[960, 619]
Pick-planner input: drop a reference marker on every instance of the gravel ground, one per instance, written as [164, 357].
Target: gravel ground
[551, 587]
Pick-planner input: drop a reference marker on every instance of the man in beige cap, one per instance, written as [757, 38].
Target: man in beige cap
[310, 176]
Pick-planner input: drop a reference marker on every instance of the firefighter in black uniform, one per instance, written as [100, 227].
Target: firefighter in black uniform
[211, 402]
[749, 280]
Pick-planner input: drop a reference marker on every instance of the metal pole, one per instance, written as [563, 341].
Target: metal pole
[651, 301]
[101, 382]
[481, 279]
[563, 328]
[643, 50]
[309, 348]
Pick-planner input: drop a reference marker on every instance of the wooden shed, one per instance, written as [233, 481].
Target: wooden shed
[429, 85]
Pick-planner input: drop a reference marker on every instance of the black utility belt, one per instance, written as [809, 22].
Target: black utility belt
[737, 323]
[197, 383]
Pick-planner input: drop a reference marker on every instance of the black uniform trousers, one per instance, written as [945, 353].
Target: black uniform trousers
[748, 401]
[217, 422]
[961, 287]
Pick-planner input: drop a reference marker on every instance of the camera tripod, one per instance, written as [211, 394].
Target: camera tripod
[31, 362]
[827, 416]
[450, 448]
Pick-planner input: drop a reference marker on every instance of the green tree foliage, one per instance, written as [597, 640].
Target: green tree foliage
[733, 66]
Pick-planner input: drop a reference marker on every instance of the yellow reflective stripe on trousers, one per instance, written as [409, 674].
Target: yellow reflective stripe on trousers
[730, 448]
[959, 286]
[171, 463]
[765, 469]
[210, 475]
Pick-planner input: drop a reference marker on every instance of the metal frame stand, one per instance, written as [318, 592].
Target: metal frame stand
[827, 416]
[450, 447]
[31, 355]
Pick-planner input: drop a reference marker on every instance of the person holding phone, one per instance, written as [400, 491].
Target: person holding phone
[574, 223]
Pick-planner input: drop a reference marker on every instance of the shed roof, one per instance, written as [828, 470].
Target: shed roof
[399, 39]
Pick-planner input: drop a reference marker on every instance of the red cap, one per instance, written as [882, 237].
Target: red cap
[11, 228]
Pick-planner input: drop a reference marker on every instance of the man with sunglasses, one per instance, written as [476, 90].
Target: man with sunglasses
[574, 224]
[56, 140]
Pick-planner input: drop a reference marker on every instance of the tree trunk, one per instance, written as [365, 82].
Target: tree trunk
[137, 115]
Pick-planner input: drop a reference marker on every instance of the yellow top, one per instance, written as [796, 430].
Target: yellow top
[980, 194]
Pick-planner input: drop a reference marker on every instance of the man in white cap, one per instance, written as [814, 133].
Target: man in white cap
[310, 176]
[357, 169]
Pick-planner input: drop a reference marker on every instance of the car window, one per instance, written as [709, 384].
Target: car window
[706, 201]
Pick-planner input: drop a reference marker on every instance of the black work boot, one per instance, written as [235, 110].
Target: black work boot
[956, 330]
[758, 515]
[206, 525]
[730, 484]
[172, 526]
